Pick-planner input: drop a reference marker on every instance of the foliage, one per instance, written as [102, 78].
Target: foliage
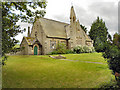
[15, 50]
[13, 12]
[84, 28]
[109, 38]
[78, 49]
[68, 51]
[61, 49]
[116, 39]
[87, 49]
[99, 34]
[110, 85]
[112, 54]
[84, 49]
[4, 59]
[99, 45]
[53, 52]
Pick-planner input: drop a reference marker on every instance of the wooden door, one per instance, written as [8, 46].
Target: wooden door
[35, 50]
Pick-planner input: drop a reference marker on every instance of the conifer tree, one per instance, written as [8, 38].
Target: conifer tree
[84, 28]
[99, 34]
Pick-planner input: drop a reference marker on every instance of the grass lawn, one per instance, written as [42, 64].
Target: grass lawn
[92, 57]
[45, 72]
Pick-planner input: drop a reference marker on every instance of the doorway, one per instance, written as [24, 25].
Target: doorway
[35, 50]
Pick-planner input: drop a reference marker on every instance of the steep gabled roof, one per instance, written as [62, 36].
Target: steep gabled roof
[30, 40]
[53, 28]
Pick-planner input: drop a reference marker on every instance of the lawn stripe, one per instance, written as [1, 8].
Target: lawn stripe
[83, 61]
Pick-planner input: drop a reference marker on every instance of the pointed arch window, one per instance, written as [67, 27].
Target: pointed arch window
[74, 19]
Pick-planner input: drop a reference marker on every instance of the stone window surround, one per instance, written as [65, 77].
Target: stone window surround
[52, 43]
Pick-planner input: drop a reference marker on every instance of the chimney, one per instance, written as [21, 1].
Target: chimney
[28, 31]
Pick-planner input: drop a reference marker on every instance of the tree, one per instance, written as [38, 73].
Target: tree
[99, 34]
[109, 38]
[84, 28]
[116, 39]
[27, 12]
[112, 54]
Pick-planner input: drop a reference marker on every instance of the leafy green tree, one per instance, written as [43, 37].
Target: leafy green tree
[27, 11]
[61, 48]
[84, 28]
[112, 54]
[109, 38]
[116, 39]
[99, 45]
[99, 34]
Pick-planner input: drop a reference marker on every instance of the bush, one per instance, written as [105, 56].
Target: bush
[68, 51]
[78, 49]
[84, 49]
[111, 85]
[53, 52]
[112, 54]
[93, 49]
[61, 49]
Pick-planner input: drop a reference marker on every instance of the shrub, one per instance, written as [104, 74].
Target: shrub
[68, 51]
[111, 85]
[112, 54]
[61, 49]
[53, 52]
[93, 49]
[84, 49]
[78, 49]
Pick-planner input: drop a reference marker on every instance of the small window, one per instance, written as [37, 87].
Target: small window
[73, 19]
[52, 44]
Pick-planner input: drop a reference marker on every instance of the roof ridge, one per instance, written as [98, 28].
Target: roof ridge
[54, 20]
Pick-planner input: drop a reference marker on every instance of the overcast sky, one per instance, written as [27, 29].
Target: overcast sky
[86, 12]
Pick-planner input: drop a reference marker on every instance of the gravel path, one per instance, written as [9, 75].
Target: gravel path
[82, 61]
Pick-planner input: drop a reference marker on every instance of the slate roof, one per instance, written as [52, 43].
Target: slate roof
[53, 28]
[30, 40]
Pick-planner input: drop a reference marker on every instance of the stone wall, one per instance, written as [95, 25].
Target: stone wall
[25, 50]
[48, 41]
[40, 35]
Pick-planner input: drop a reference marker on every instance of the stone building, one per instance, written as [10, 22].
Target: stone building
[46, 33]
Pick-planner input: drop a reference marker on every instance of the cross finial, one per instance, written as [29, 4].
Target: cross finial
[72, 3]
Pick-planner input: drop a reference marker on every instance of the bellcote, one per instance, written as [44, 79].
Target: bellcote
[72, 14]
[28, 31]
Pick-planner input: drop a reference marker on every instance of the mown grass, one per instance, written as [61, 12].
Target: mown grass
[92, 57]
[45, 72]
